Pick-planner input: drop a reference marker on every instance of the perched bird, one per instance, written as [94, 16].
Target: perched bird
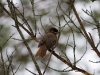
[47, 41]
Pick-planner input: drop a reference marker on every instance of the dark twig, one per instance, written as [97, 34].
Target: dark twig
[14, 16]
[47, 64]
[34, 16]
[85, 33]
[95, 61]
[30, 71]
[2, 60]
[69, 64]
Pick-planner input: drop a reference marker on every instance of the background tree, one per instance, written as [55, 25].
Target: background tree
[23, 22]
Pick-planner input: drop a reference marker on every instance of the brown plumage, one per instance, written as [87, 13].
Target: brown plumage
[47, 42]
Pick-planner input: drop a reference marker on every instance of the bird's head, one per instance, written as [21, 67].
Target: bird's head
[53, 30]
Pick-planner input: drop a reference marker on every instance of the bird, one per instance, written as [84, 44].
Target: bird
[48, 41]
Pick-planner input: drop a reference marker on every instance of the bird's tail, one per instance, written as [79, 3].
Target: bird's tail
[42, 51]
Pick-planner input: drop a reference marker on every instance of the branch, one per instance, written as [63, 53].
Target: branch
[69, 64]
[85, 33]
[14, 17]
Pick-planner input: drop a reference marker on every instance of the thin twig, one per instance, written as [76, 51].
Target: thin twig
[14, 16]
[30, 71]
[86, 35]
[47, 64]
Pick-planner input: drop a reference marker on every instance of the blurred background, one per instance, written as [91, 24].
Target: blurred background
[20, 56]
